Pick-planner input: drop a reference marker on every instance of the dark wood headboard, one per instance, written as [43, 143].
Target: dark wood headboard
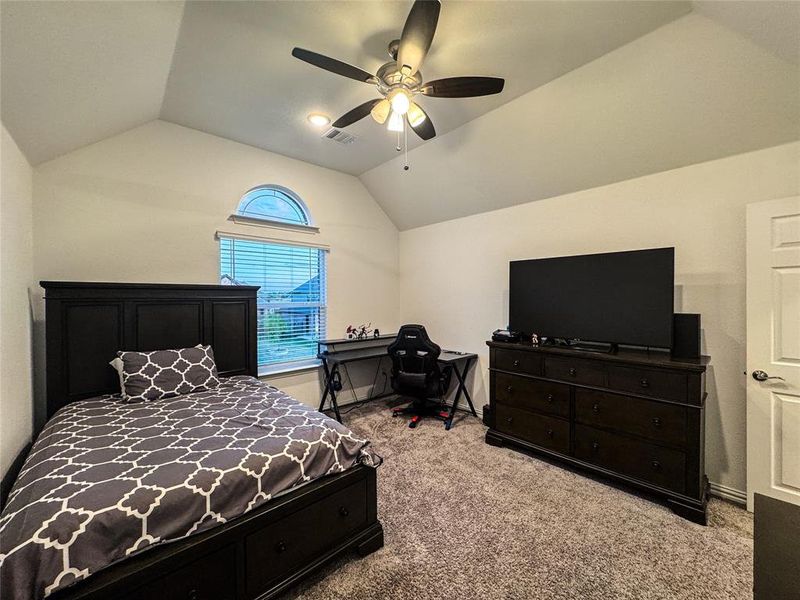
[87, 323]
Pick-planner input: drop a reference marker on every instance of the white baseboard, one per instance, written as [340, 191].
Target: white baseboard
[727, 493]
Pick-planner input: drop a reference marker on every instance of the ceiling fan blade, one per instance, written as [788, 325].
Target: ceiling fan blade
[358, 113]
[463, 87]
[425, 129]
[332, 65]
[417, 35]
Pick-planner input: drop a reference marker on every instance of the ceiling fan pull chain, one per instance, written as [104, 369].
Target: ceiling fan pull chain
[397, 147]
[405, 144]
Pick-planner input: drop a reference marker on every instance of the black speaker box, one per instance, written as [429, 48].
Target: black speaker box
[488, 416]
[686, 335]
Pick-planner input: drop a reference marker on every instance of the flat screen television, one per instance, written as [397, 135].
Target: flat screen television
[617, 297]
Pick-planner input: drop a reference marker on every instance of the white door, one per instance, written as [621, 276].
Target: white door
[773, 349]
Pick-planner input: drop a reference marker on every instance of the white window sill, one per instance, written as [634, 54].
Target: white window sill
[260, 222]
[289, 368]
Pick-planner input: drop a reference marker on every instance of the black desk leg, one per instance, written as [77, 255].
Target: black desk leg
[326, 385]
[462, 387]
[329, 374]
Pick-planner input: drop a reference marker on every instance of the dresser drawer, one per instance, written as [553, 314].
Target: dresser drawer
[657, 421]
[660, 466]
[517, 360]
[548, 432]
[648, 382]
[575, 370]
[289, 543]
[532, 394]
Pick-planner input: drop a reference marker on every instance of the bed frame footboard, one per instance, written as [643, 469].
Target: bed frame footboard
[258, 555]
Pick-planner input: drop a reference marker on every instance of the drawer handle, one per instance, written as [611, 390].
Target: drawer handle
[656, 421]
[509, 419]
[550, 398]
[573, 372]
[550, 433]
[509, 389]
[644, 383]
[516, 363]
[343, 511]
[281, 547]
[595, 446]
[656, 465]
[596, 408]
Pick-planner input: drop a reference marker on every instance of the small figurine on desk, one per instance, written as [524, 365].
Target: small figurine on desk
[534, 340]
[376, 333]
[358, 333]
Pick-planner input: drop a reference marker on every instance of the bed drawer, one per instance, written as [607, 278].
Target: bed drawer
[285, 545]
[517, 360]
[658, 421]
[212, 577]
[533, 394]
[648, 382]
[575, 370]
[660, 466]
[548, 432]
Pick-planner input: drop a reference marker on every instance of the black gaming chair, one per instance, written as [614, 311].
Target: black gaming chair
[416, 373]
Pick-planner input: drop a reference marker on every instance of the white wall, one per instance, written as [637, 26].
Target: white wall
[145, 205]
[454, 275]
[16, 277]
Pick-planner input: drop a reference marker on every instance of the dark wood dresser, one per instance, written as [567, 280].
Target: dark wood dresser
[633, 416]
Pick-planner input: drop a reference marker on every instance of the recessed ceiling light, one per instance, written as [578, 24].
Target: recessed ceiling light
[318, 119]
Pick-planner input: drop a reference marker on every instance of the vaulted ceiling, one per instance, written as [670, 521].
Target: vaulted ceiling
[76, 72]
[596, 92]
[690, 92]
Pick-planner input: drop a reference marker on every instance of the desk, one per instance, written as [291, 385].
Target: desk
[333, 359]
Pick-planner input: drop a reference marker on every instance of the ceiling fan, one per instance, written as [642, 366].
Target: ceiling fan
[400, 80]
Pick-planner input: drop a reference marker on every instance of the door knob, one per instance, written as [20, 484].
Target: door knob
[759, 375]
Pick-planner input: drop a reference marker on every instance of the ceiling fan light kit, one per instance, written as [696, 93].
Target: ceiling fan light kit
[400, 80]
[380, 111]
[415, 115]
[395, 122]
[399, 99]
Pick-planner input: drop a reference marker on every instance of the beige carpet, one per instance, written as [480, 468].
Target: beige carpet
[466, 520]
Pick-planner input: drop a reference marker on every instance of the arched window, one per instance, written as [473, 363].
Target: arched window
[291, 275]
[273, 203]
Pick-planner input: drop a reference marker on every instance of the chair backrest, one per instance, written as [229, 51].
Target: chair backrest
[415, 365]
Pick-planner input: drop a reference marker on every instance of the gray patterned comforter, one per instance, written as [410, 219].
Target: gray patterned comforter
[106, 480]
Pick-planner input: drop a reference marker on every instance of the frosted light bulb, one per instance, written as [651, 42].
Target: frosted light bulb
[400, 101]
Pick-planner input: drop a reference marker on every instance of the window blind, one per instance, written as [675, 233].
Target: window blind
[292, 304]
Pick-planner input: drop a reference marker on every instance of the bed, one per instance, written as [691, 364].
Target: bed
[185, 473]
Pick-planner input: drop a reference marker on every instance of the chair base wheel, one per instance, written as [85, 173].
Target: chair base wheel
[419, 410]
